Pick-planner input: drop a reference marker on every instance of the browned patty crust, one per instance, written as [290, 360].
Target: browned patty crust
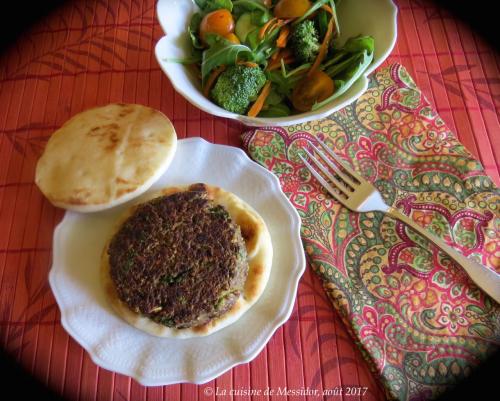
[179, 259]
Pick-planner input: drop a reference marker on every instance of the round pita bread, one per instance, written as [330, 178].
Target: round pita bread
[105, 156]
[260, 256]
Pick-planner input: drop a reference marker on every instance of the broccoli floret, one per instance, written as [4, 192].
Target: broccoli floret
[304, 42]
[237, 86]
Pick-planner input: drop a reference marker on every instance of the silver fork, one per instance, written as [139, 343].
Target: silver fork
[355, 193]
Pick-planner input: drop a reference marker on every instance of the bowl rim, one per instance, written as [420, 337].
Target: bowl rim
[279, 121]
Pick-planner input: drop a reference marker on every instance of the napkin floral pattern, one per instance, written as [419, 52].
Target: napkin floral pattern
[421, 324]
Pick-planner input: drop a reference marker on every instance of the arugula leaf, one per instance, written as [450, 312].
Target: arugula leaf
[337, 56]
[322, 22]
[338, 68]
[312, 10]
[352, 49]
[283, 85]
[358, 65]
[263, 48]
[253, 39]
[208, 6]
[273, 98]
[276, 110]
[260, 17]
[300, 69]
[274, 105]
[212, 38]
[241, 6]
[323, 18]
[221, 52]
[333, 6]
[359, 43]
[347, 65]
[193, 30]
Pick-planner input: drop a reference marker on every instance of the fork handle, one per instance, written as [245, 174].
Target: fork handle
[485, 278]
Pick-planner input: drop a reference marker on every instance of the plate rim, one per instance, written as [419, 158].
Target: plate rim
[244, 357]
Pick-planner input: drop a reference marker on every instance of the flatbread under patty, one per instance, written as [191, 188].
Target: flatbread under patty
[105, 156]
[260, 255]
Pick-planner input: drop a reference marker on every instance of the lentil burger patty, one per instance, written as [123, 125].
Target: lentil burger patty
[179, 259]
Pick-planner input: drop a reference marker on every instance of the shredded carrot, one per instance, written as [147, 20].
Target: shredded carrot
[275, 60]
[247, 63]
[327, 8]
[277, 65]
[212, 78]
[264, 29]
[280, 23]
[283, 22]
[283, 37]
[273, 66]
[323, 49]
[259, 103]
[275, 55]
[195, 69]
[285, 55]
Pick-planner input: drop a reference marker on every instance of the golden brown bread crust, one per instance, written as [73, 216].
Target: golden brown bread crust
[259, 249]
[105, 156]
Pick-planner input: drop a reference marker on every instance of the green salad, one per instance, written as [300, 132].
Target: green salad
[273, 58]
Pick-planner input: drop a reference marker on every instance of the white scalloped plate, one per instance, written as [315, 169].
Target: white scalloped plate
[377, 18]
[117, 346]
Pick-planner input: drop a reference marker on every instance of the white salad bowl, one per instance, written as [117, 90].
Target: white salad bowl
[377, 18]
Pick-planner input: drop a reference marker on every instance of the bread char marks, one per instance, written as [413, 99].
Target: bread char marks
[104, 156]
[106, 133]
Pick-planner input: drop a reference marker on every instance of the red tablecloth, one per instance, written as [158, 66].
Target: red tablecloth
[98, 51]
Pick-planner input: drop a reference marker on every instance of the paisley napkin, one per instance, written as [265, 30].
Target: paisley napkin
[421, 324]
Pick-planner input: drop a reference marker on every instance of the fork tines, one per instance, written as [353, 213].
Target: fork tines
[336, 182]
